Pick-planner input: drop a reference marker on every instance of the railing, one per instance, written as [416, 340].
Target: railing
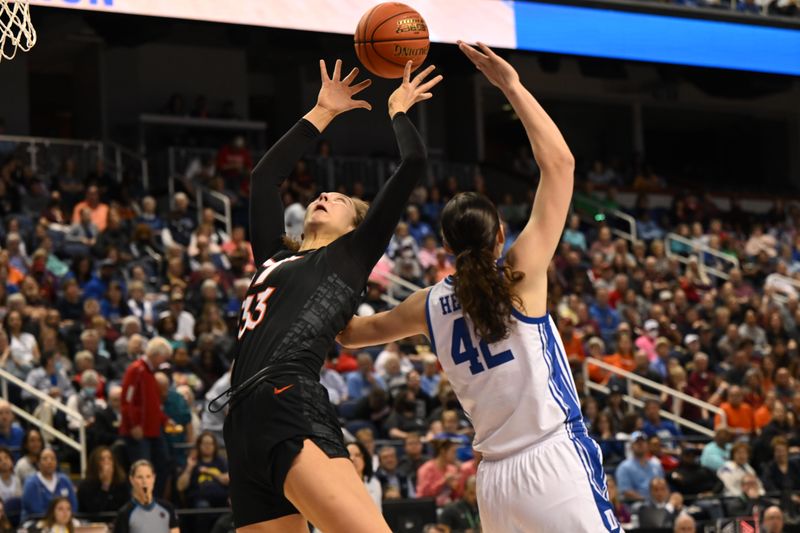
[80, 446]
[47, 156]
[700, 250]
[780, 293]
[225, 216]
[624, 218]
[630, 378]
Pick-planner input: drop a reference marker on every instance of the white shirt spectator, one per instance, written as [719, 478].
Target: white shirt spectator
[22, 348]
[335, 384]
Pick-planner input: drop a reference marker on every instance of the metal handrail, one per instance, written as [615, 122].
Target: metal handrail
[631, 235]
[80, 446]
[119, 151]
[630, 377]
[225, 218]
[400, 281]
[699, 248]
[781, 297]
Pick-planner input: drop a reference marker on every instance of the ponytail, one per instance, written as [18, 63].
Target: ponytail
[484, 289]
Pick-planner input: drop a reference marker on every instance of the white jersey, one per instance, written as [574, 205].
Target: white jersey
[517, 392]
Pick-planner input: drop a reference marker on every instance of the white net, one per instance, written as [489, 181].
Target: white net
[16, 30]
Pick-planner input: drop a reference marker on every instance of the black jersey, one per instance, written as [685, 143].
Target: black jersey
[299, 301]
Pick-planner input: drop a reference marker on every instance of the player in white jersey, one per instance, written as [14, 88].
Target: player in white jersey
[500, 349]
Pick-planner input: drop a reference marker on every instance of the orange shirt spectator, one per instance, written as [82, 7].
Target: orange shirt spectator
[573, 342]
[739, 413]
[762, 416]
[98, 209]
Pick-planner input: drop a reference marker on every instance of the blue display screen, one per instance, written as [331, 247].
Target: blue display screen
[662, 39]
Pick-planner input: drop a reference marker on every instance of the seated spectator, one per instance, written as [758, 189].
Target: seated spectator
[98, 211]
[204, 481]
[750, 498]
[573, 342]
[413, 457]
[49, 380]
[781, 425]
[657, 453]
[462, 515]
[438, 477]
[732, 472]
[46, 484]
[417, 228]
[717, 452]
[621, 511]
[604, 433]
[144, 513]
[684, 523]
[32, 446]
[11, 433]
[404, 417]
[394, 484]
[59, 517]
[573, 234]
[430, 378]
[23, 348]
[375, 409]
[635, 473]
[86, 401]
[690, 477]
[10, 486]
[360, 457]
[773, 520]
[361, 382]
[149, 215]
[738, 413]
[392, 374]
[180, 223]
[453, 431]
[104, 489]
[661, 508]
[604, 315]
[782, 474]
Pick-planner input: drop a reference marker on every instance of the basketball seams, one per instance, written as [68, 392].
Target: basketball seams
[387, 19]
[398, 40]
[377, 53]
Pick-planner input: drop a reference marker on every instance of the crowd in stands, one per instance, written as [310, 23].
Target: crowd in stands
[126, 313]
[788, 8]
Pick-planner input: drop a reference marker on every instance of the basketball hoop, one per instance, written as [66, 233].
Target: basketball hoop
[16, 29]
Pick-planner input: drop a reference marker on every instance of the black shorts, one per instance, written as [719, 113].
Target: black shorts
[264, 432]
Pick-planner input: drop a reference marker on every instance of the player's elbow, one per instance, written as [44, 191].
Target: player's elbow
[561, 162]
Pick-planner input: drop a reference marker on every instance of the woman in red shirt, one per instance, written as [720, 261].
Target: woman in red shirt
[438, 477]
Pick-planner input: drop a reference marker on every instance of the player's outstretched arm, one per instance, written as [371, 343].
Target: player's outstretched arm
[534, 248]
[266, 209]
[372, 236]
[405, 320]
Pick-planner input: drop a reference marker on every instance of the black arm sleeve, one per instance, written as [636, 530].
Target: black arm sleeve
[266, 207]
[373, 234]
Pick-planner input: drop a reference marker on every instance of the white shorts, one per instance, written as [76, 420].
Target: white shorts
[558, 485]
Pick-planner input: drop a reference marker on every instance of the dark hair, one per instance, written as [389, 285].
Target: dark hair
[5, 450]
[199, 440]
[367, 457]
[93, 468]
[50, 516]
[26, 437]
[483, 288]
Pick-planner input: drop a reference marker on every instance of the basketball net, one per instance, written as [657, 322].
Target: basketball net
[16, 28]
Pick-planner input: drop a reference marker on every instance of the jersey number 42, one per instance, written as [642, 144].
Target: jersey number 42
[462, 339]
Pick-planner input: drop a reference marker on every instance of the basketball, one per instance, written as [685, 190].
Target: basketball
[388, 35]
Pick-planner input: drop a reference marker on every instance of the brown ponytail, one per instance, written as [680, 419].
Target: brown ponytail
[469, 225]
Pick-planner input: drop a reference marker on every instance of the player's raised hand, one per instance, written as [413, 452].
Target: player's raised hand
[336, 94]
[496, 69]
[412, 91]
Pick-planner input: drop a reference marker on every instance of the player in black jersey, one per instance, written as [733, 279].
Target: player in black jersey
[288, 463]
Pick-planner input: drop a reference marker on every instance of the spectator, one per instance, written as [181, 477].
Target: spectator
[23, 348]
[738, 413]
[98, 210]
[662, 507]
[86, 401]
[782, 474]
[10, 486]
[452, 431]
[142, 417]
[438, 477]
[666, 430]
[11, 433]
[605, 316]
[104, 489]
[28, 463]
[204, 481]
[180, 224]
[413, 457]
[49, 380]
[732, 472]
[178, 427]
[361, 382]
[59, 517]
[462, 515]
[359, 455]
[429, 381]
[684, 523]
[184, 320]
[573, 234]
[393, 483]
[749, 500]
[621, 511]
[717, 452]
[773, 520]
[46, 484]
[144, 513]
[690, 477]
[213, 422]
[417, 228]
[635, 473]
[5, 523]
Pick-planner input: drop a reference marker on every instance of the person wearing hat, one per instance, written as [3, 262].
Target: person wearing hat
[635, 473]
[183, 318]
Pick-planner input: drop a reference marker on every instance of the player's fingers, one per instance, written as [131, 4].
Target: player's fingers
[423, 96]
[337, 70]
[486, 50]
[471, 53]
[363, 104]
[425, 87]
[422, 75]
[323, 70]
[360, 86]
[407, 72]
[350, 77]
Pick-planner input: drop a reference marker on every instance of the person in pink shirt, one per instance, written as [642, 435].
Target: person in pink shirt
[439, 477]
[647, 341]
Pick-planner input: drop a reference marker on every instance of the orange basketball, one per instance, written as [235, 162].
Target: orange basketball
[388, 35]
